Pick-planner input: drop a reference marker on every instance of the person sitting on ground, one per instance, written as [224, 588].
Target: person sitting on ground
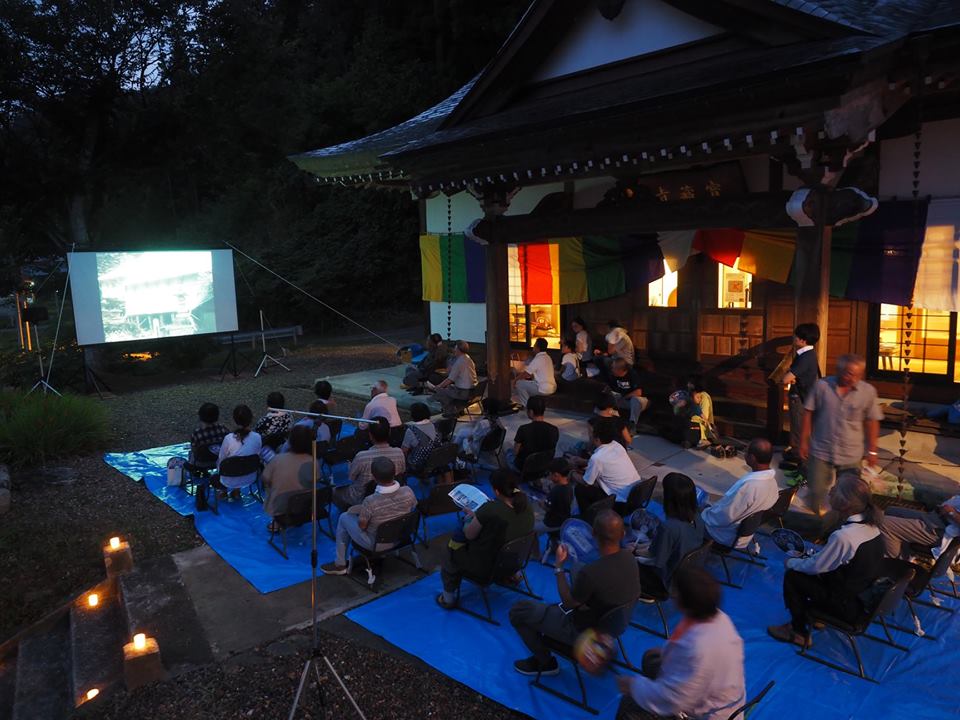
[833, 579]
[559, 497]
[358, 524]
[469, 436]
[610, 471]
[359, 472]
[583, 345]
[605, 410]
[275, 425]
[754, 492]
[323, 390]
[599, 587]
[207, 435]
[289, 472]
[426, 369]
[461, 379]
[703, 411]
[505, 518]
[902, 527]
[624, 382]
[569, 361]
[381, 405]
[535, 436]
[681, 533]
[619, 344]
[699, 673]
[539, 378]
[241, 442]
[421, 433]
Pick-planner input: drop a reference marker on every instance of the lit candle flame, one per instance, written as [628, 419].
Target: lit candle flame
[114, 543]
[93, 599]
[140, 641]
[92, 693]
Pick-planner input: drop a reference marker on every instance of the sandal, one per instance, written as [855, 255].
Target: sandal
[785, 633]
[444, 604]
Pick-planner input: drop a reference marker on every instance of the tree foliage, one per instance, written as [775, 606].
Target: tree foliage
[167, 123]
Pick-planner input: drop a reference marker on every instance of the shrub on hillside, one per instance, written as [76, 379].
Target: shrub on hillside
[36, 428]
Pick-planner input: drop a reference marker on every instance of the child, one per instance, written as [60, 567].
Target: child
[559, 498]
[469, 436]
[702, 411]
[569, 363]
[207, 437]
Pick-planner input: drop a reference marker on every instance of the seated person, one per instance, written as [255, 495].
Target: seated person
[702, 414]
[833, 579]
[679, 534]
[699, 673]
[469, 436]
[605, 410]
[381, 405]
[624, 382]
[619, 345]
[316, 425]
[505, 518]
[539, 378]
[207, 435]
[569, 361]
[902, 527]
[754, 492]
[358, 524]
[950, 413]
[559, 497]
[535, 436]
[359, 472]
[288, 472]
[460, 381]
[241, 442]
[275, 425]
[597, 588]
[682, 428]
[420, 437]
[323, 390]
[435, 359]
[610, 471]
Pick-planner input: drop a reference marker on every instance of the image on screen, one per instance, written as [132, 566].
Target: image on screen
[124, 296]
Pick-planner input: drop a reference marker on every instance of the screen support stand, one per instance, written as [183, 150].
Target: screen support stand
[231, 359]
[42, 383]
[90, 377]
[266, 356]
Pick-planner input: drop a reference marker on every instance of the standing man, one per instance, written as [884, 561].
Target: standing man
[461, 379]
[539, 378]
[800, 378]
[841, 424]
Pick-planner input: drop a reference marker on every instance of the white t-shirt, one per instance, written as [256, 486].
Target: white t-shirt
[233, 446]
[382, 405]
[612, 469]
[570, 366]
[541, 368]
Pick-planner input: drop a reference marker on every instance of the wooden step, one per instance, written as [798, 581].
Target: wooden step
[43, 685]
[97, 635]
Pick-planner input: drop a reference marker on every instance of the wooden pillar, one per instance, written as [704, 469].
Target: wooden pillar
[812, 292]
[498, 316]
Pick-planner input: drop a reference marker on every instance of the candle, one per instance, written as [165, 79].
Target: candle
[114, 543]
[93, 600]
[92, 693]
[139, 641]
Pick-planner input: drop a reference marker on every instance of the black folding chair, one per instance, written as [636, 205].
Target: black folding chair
[780, 507]
[639, 496]
[597, 507]
[440, 460]
[437, 502]
[743, 712]
[614, 623]
[239, 466]
[747, 527]
[343, 451]
[473, 399]
[536, 465]
[275, 440]
[336, 426]
[396, 435]
[198, 471]
[923, 579]
[511, 560]
[298, 513]
[694, 558]
[397, 534]
[445, 427]
[888, 604]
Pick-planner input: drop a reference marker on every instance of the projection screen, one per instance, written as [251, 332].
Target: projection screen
[123, 296]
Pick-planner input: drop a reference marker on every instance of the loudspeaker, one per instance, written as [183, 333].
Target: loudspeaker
[35, 314]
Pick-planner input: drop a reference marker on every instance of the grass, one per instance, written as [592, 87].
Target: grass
[36, 428]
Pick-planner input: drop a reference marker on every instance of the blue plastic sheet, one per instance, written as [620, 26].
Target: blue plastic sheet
[239, 533]
[919, 684]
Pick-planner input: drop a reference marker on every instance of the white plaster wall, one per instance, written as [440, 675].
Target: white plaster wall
[939, 162]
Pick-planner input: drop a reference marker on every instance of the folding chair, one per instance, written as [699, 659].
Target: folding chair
[343, 451]
[693, 558]
[923, 579]
[747, 527]
[493, 443]
[437, 502]
[199, 471]
[536, 465]
[397, 534]
[336, 427]
[594, 509]
[743, 712]
[613, 623]
[888, 604]
[474, 398]
[440, 460]
[298, 513]
[511, 560]
[396, 435]
[445, 427]
[239, 466]
[780, 507]
[640, 495]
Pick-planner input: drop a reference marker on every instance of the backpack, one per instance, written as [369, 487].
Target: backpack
[425, 445]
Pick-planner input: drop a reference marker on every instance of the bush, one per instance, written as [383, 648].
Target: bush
[36, 428]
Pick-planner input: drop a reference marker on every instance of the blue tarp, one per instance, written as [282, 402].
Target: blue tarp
[920, 684]
[239, 533]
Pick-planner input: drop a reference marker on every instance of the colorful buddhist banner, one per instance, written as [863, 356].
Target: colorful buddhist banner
[768, 253]
[453, 268]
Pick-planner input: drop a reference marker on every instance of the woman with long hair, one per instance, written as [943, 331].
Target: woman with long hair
[507, 517]
[834, 578]
[242, 441]
[682, 532]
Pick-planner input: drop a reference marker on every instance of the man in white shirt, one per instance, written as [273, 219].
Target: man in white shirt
[754, 492]
[460, 381]
[538, 378]
[610, 470]
[381, 405]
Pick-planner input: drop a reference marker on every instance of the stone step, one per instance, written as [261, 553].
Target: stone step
[43, 683]
[97, 635]
[8, 684]
[156, 602]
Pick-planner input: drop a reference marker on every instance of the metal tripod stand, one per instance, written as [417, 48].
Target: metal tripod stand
[266, 356]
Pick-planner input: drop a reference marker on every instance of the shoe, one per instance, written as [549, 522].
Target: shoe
[646, 600]
[333, 569]
[444, 604]
[785, 633]
[532, 666]
[272, 527]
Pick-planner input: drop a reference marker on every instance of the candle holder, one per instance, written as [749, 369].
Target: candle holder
[141, 662]
[117, 557]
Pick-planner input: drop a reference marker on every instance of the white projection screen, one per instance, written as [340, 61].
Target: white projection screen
[124, 296]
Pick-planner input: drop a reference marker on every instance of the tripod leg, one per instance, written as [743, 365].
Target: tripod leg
[303, 682]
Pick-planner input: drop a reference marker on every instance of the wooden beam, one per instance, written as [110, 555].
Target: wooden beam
[763, 210]
[812, 295]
